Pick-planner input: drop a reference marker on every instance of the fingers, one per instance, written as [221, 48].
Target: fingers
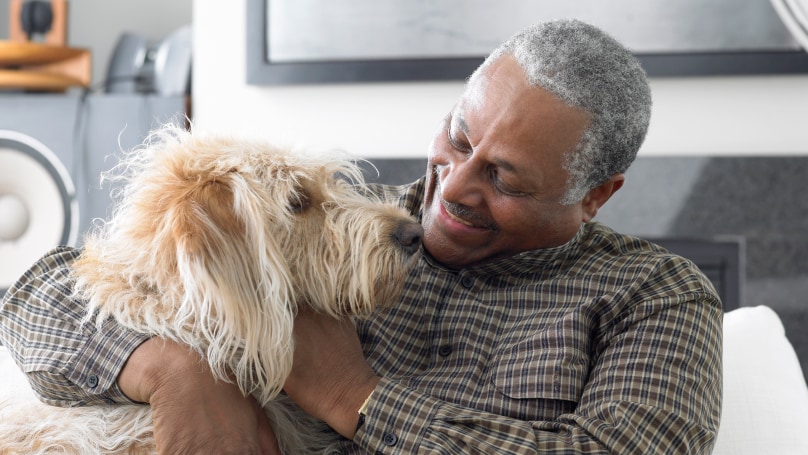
[193, 412]
[220, 420]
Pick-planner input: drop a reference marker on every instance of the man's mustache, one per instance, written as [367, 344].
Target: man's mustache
[461, 211]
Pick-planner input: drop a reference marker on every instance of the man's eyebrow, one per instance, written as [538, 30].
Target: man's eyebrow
[461, 122]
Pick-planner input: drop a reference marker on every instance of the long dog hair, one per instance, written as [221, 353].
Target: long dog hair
[215, 242]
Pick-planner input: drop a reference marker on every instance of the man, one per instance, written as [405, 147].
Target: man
[525, 328]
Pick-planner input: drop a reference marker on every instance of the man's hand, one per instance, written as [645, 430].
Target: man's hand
[193, 413]
[330, 377]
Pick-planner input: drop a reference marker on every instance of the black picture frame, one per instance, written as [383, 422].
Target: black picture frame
[261, 71]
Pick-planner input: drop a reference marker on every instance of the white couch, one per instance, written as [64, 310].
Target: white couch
[765, 409]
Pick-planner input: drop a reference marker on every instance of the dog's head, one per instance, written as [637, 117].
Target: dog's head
[220, 239]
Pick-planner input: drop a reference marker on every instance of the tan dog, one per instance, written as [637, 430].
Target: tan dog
[214, 243]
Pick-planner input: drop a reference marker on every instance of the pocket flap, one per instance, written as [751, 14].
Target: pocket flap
[528, 370]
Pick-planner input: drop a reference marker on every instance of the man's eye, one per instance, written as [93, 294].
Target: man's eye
[503, 187]
[456, 144]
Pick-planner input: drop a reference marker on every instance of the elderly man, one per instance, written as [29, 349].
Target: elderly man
[525, 328]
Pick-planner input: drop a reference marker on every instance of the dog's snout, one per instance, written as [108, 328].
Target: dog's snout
[409, 235]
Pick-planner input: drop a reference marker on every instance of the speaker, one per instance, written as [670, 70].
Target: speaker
[38, 20]
[124, 70]
[164, 69]
[36, 17]
[53, 149]
[172, 63]
[38, 206]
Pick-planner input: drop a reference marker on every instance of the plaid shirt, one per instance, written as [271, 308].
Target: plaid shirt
[607, 344]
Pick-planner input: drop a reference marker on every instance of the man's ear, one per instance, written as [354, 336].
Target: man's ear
[598, 196]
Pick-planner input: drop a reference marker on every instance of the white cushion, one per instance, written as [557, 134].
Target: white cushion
[765, 407]
[13, 383]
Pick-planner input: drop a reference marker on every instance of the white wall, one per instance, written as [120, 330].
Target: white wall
[701, 116]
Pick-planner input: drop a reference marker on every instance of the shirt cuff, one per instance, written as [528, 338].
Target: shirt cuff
[98, 364]
[396, 419]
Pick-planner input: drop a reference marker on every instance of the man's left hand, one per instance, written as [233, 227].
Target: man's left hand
[330, 377]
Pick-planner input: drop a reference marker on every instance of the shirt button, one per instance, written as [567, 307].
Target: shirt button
[445, 350]
[92, 381]
[389, 439]
[467, 281]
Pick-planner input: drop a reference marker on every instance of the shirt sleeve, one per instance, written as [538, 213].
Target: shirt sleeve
[655, 387]
[68, 359]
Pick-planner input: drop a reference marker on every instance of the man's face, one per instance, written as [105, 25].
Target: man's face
[495, 175]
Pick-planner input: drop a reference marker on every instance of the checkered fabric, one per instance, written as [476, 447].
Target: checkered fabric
[607, 344]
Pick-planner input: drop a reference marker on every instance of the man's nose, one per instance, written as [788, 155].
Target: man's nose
[460, 182]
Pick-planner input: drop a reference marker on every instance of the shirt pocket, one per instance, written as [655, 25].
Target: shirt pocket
[531, 370]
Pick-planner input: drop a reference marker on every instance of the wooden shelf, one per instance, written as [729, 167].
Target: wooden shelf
[34, 66]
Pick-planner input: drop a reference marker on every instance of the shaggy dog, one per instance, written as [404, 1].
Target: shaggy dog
[214, 243]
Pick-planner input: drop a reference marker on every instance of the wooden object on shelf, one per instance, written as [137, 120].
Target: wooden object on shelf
[34, 66]
[57, 35]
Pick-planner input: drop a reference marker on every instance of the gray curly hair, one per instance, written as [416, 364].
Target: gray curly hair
[586, 68]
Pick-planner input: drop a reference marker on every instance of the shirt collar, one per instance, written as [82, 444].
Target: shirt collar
[526, 262]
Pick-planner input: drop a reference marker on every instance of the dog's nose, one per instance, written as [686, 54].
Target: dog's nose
[409, 235]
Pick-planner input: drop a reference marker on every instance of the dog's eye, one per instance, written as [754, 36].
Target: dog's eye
[299, 202]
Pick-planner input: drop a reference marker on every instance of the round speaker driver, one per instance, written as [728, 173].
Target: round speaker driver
[38, 206]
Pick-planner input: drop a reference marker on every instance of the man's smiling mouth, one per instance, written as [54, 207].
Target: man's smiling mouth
[453, 217]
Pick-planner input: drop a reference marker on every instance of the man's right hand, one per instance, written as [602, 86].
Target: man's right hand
[194, 413]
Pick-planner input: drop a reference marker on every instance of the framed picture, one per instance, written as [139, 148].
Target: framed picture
[329, 41]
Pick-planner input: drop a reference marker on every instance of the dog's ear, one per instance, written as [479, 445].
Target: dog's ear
[233, 274]
[203, 220]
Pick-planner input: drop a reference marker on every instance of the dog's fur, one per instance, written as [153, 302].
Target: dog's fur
[215, 242]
